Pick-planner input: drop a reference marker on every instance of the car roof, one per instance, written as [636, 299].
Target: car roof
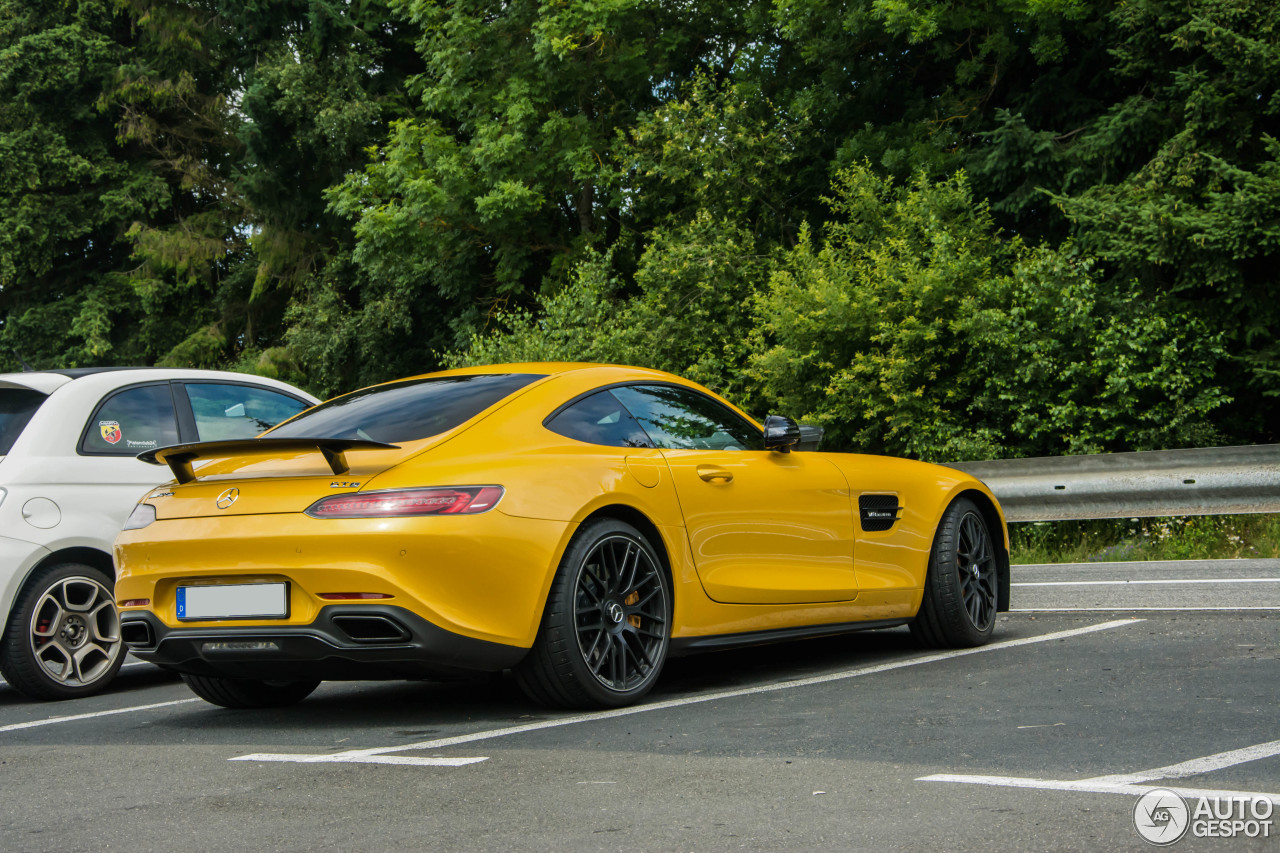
[77, 372]
[48, 381]
[43, 381]
[545, 368]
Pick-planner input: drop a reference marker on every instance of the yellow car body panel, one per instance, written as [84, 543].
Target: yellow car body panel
[445, 571]
[766, 528]
[774, 547]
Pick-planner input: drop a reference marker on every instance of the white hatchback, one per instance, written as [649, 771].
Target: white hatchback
[69, 477]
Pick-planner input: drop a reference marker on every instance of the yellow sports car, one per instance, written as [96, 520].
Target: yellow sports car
[574, 523]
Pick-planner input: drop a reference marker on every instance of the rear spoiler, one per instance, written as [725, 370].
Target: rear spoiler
[180, 456]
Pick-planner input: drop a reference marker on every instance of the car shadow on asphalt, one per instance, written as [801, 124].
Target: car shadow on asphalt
[410, 709]
[135, 677]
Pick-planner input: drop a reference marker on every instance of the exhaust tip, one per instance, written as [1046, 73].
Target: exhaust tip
[371, 629]
[137, 634]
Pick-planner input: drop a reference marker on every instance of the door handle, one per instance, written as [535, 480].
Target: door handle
[713, 474]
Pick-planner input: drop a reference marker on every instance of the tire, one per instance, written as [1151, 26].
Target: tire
[961, 586]
[248, 692]
[607, 625]
[62, 640]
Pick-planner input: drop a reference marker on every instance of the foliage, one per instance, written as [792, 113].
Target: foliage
[498, 179]
[1168, 170]
[692, 315]
[251, 111]
[1203, 537]
[1198, 219]
[917, 328]
[68, 189]
[339, 193]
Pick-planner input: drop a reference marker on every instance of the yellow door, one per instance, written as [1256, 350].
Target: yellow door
[765, 527]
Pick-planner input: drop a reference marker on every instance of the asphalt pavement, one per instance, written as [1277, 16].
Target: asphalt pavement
[1107, 681]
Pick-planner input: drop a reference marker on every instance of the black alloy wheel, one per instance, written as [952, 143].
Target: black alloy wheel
[976, 567]
[961, 590]
[620, 610]
[605, 632]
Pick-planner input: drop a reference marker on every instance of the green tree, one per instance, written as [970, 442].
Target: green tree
[510, 170]
[251, 111]
[692, 314]
[1198, 215]
[917, 328]
[69, 188]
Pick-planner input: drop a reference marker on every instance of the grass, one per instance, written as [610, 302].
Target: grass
[1197, 537]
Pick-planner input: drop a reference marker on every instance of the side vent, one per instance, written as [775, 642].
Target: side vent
[878, 512]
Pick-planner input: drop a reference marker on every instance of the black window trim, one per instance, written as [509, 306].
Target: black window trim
[111, 395]
[549, 419]
[626, 384]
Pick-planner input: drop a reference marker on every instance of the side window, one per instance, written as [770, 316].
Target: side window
[682, 419]
[600, 419]
[224, 412]
[131, 421]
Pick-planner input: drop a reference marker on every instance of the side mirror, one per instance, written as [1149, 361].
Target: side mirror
[810, 438]
[780, 433]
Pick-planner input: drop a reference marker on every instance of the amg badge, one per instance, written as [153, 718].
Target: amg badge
[878, 512]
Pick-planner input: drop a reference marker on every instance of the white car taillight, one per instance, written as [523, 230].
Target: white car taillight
[142, 515]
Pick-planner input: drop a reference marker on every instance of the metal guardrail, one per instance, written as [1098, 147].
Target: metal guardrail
[1208, 481]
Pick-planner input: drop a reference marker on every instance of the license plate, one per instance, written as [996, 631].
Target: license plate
[234, 601]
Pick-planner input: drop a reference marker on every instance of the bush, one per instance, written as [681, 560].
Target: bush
[918, 329]
[691, 316]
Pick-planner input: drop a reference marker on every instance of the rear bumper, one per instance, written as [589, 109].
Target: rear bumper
[344, 642]
[484, 576]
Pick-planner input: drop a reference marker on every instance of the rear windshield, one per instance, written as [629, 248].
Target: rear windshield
[405, 411]
[17, 405]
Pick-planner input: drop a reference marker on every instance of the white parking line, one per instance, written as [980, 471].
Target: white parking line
[1088, 609]
[1130, 783]
[1196, 766]
[1214, 581]
[13, 727]
[362, 755]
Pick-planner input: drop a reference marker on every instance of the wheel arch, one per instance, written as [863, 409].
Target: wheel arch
[995, 522]
[89, 556]
[641, 522]
[85, 554]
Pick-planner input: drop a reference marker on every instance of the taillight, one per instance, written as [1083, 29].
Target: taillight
[396, 503]
[142, 515]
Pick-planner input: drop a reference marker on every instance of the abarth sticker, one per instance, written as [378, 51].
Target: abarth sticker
[110, 431]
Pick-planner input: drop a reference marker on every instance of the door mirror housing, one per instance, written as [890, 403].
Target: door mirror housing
[810, 438]
[780, 433]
